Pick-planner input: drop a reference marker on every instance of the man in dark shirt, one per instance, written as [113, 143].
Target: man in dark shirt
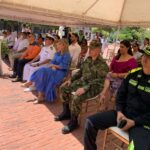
[132, 105]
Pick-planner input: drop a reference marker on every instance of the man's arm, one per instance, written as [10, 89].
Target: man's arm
[22, 50]
[76, 76]
[143, 119]
[35, 59]
[122, 95]
[44, 62]
[24, 54]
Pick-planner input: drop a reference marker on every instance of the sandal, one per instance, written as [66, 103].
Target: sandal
[27, 84]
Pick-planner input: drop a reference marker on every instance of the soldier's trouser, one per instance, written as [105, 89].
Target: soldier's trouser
[104, 120]
[75, 102]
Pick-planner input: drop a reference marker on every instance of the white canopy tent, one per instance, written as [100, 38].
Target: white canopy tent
[78, 12]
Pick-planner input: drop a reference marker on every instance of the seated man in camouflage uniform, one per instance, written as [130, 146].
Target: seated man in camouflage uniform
[84, 84]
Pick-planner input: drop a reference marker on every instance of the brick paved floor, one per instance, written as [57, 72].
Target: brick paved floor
[25, 126]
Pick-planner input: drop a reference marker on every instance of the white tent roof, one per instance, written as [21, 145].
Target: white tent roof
[78, 12]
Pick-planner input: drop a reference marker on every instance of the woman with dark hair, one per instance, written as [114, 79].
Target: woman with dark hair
[146, 42]
[119, 68]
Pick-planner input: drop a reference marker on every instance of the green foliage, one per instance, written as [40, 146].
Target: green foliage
[128, 33]
[104, 31]
[4, 49]
[16, 25]
[133, 33]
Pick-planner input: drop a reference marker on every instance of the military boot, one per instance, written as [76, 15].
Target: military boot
[72, 125]
[65, 115]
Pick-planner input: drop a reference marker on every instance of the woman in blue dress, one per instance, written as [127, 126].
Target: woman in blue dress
[46, 79]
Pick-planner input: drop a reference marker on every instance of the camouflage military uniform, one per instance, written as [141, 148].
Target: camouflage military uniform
[90, 77]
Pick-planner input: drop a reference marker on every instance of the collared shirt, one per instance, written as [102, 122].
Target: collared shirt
[47, 52]
[15, 47]
[74, 50]
[10, 40]
[23, 44]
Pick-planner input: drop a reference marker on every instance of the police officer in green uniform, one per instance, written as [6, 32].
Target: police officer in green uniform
[132, 105]
[86, 83]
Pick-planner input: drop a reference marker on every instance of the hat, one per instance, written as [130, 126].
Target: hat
[50, 37]
[95, 44]
[147, 50]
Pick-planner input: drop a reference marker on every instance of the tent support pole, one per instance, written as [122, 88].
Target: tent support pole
[117, 35]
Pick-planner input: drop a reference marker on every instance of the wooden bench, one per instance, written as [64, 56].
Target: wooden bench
[119, 134]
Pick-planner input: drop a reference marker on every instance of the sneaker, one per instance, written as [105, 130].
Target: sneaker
[29, 89]
[38, 101]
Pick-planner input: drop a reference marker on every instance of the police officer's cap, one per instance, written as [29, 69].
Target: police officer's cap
[50, 37]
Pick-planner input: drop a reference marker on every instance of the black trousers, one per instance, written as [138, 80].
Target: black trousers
[19, 65]
[104, 120]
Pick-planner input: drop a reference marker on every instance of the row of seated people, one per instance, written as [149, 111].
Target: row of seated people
[32, 66]
[20, 59]
[36, 56]
[86, 83]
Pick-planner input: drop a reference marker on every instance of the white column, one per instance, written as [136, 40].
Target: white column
[117, 35]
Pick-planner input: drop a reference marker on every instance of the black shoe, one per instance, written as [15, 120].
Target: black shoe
[62, 117]
[17, 80]
[65, 115]
[12, 76]
[72, 125]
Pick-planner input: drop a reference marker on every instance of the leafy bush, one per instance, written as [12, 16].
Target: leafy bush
[4, 49]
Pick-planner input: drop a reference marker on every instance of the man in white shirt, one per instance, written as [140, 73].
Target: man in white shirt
[19, 38]
[23, 44]
[19, 47]
[43, 59]
[74, 50]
